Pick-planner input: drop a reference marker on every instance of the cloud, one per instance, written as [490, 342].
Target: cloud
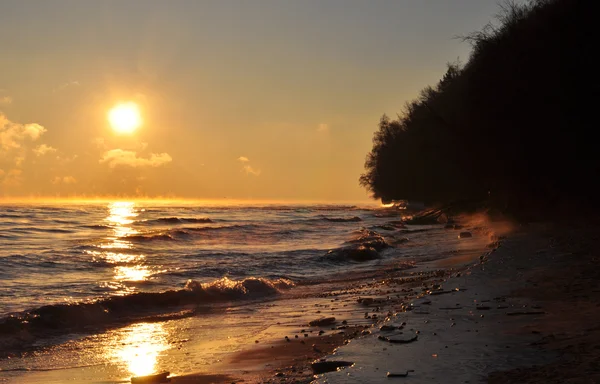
[117, 157]
[323, 127]
[12, 135]
[43, 149]
[5, 100]
[99, 142]
[12, 178]
[247, 167]
[251, 171]
[66, 85]
[64, 180]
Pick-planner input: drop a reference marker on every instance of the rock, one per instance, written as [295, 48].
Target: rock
[387, 328]
[399, 341]
[365, 300]
[399, 374]
[323, 321]
[151, 379]
[526, 313]
[464, 235]
[328, 366]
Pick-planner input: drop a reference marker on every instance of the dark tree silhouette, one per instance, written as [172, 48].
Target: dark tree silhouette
[512, 128]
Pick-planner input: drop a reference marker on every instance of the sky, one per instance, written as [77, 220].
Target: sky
[264, 100]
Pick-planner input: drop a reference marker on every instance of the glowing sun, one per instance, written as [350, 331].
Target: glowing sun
[125, 118]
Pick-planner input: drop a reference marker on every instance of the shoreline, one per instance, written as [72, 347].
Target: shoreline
[490, 308]
[514, 322]
[290, 362]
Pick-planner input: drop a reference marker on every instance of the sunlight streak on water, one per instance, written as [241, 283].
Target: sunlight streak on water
[120, 216]
[135, 273]
[139, 346]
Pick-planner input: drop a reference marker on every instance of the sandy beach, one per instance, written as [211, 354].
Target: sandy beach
[498, 308]
[523, 312]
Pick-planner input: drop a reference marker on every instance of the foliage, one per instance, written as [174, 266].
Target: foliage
[511, 127]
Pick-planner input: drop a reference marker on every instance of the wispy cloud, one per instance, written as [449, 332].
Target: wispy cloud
[64, 180]
[247, 167]
[43, 149]
[66, 85]
[251, 171]
[323, 128]
[120, 157]
[99, 142]
[12, 178]
[12, 135]
[5, 100]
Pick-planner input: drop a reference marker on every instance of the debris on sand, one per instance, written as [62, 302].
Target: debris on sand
[519, 313]
[398, 341]
[151, 379]
[328, 366]
[322, 322]
[399, 374]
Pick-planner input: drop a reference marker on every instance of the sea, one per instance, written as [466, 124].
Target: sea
[104, 291]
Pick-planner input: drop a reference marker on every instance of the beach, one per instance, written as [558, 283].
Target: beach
[466, 302]
[525, 313]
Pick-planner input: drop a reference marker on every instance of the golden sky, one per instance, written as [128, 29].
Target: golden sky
[238, 99]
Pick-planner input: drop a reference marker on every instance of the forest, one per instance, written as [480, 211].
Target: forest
[512, 128]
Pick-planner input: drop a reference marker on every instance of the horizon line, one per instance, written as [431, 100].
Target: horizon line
[183, 200]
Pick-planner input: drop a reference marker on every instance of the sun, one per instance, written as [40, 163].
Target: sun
[124, 118]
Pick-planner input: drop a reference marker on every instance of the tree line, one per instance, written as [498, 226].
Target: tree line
[512, 128]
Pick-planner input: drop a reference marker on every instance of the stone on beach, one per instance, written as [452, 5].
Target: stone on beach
[399, 374]
[151, 379]
[321, 322]
[464, 235]
[328, 366]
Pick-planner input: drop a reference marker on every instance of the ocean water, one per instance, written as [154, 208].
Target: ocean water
[78, 281]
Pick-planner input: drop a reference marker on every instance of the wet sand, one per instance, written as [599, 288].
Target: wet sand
[524, 312]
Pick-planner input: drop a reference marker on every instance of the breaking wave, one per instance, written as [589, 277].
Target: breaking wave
[115, 310]
[177, 220]
[342, 219]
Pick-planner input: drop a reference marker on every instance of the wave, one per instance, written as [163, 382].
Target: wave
[342, 219]
[359, 253]
[39, 230]
[223, 227]
[116, 310]
[177, 234]
[177, 220]
[150, 237]
[367, 245]
[11, 216]
[96, 226]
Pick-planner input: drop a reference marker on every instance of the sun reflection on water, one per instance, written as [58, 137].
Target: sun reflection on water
[128, 266]
[139, 346]
[135, 273]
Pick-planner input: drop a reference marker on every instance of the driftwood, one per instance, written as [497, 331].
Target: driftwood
[399, 374]
[328, 366]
